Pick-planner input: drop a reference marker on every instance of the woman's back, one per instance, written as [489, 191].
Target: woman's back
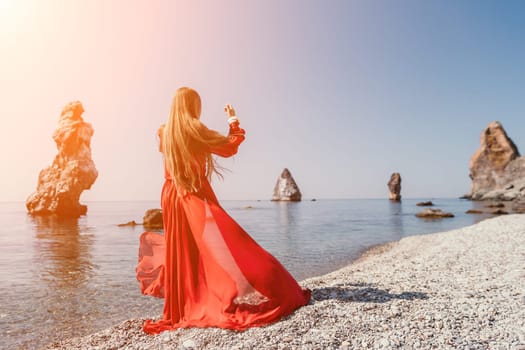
[209, 270]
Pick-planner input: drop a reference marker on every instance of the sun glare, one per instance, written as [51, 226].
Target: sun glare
[6, 6]
[12, 15]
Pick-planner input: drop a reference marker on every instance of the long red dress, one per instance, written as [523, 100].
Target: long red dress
[209, 270]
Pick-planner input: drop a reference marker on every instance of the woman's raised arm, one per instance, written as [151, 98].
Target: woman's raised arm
[235, 138]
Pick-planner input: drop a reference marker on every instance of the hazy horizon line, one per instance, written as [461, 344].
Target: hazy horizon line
[258, 199]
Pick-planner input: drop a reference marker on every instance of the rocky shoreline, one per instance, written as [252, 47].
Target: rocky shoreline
[458, 289]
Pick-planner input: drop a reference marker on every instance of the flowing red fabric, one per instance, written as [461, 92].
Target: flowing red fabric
[210, 272]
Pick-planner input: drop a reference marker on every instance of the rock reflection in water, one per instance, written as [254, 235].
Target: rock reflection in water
[288, 217]
[62, 267]
[62, 253]
[288, 228]
[396, 220]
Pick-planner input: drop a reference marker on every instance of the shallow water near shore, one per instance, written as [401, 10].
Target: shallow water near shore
[66, 278]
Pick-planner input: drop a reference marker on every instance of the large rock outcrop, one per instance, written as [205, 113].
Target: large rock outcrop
[73, 171]
[286, 189]
[496, 169]
[394, 185]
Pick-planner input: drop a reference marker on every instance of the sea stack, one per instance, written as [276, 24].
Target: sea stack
[286, 189]
[394, 185]
[72, 171]
[496, 169]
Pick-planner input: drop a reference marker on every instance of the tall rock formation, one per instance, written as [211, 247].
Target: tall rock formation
[394, 185]
[73, 171]
[286, 189]
[496, 168]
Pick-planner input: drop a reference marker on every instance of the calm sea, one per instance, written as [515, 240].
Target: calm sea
[60, 279]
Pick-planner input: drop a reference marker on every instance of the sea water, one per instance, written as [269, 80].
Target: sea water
[67, 278]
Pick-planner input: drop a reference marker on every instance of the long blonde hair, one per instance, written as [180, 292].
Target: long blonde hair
[186, 142]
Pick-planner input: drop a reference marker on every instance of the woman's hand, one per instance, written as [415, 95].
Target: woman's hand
[230, 112]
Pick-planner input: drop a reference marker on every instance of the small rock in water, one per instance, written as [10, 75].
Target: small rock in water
[434, 214]
[425, 204]
[129, 223]
[496, 205]
[153, 219]
[499, 212]
[473, 211]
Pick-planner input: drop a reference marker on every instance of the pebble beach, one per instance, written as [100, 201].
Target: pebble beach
[458, 289]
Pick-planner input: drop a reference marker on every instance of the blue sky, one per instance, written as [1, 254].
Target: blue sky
[343, 93]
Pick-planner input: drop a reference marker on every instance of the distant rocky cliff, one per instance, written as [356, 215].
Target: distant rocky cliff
[497, 170]
[286, 189]
[73, 171]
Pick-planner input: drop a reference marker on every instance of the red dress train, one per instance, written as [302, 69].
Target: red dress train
[210, 272]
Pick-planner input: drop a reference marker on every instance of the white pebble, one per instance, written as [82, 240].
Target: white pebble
[189, 344]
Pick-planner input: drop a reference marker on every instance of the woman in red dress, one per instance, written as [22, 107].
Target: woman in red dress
[210, 272]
